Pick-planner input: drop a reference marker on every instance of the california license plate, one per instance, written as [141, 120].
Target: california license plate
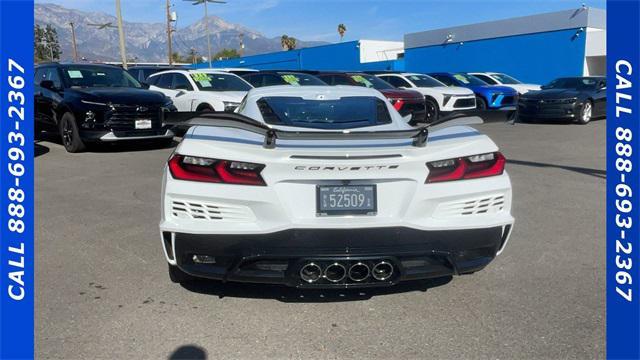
[143, 124]
[346, 200]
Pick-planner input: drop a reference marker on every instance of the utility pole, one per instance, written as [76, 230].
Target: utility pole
[169, 31]
[73, 39]
[206, 20]
[241, 51]
[123, 53]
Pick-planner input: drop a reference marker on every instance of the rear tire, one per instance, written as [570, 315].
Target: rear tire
[432, 111]
[69, 134]
[178, 276]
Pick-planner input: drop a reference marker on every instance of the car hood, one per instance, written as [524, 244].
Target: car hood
[121, 95]
[401, 94]
[553, 94]
[494, 89]
[453, 90]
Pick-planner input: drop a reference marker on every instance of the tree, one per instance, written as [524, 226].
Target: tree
[226, 54]
[47, 46]
[288, 42]
[177, 58]
[284, 41]
[342, 28]
[193, 54]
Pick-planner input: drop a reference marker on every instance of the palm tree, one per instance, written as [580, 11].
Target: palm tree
[284, 41]
[342, 28]
[292, 43]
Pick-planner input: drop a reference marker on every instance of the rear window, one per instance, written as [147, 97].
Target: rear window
[300, 80]
[344, 113]
[219, 82]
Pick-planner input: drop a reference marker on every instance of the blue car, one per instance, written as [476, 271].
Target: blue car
[488, 96]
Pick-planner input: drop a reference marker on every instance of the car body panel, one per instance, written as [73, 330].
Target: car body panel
[495, 96]
[552, 103]
[115, 108]
[194, 98]
[492, 79]
[446, 97]
[280, 221]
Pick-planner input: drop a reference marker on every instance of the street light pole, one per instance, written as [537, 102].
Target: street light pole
[206, 20]
[123, 53]
[169, 30]
[206, 26]
[73, 39]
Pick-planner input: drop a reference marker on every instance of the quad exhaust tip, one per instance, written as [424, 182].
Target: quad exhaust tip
[311, 273]
[359, 272]
[335, 272]
[382, 271]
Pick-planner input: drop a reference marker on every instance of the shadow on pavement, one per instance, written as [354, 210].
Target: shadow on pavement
[294, 295]
[113, 147]
[39, 150]
[602, 174]
[188, 352]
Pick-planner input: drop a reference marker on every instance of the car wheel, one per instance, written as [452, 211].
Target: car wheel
[178, 276]
[204, 108]
[481, 104]
[69, 134]
[432, 110]
[585, 113]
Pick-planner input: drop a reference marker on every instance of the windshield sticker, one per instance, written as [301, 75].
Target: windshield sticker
[362, 80]
[204, 83]
[461, 78]
[200, 77]
[291, 79]
[414, 77]
[75, 74]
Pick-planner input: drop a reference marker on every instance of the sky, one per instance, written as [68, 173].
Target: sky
[318, 19]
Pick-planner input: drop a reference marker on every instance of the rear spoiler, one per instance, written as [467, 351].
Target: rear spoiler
[418, 135]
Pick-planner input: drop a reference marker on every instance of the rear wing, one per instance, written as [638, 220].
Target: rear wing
[418, 135]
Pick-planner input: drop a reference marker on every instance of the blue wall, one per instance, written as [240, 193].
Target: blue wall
[341, 56]
[535, 58]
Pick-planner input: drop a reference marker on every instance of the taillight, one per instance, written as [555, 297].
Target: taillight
[193, 168]
[469, 167]
[397, 104]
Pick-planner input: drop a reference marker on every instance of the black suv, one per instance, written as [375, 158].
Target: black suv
[87, 102]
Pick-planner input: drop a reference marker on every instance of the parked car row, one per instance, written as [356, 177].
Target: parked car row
[92, 102]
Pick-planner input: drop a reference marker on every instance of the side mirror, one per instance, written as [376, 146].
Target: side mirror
[47, 84]
[144, 85]
[180, 93]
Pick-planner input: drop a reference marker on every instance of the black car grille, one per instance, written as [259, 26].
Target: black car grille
[508, 100]
[123, 117]
[460, 103]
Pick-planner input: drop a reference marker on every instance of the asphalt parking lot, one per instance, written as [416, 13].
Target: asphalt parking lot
[103, 289]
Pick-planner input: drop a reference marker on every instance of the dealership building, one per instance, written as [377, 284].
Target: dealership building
[535, 48]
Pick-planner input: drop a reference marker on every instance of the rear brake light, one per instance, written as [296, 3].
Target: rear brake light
[397, 104]
[193, 168]
[470, 167]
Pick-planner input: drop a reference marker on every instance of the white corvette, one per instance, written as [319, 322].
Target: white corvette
[329, 187]
[201, 90]
[438, 96]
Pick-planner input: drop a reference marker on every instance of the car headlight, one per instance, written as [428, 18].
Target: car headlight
[93, 103]
[168, 105]
[569, 101]
[230, 106]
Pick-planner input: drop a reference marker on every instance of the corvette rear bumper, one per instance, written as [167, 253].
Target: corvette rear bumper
[278, 258]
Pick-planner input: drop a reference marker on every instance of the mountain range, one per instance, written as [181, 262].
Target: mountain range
[147, 42]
